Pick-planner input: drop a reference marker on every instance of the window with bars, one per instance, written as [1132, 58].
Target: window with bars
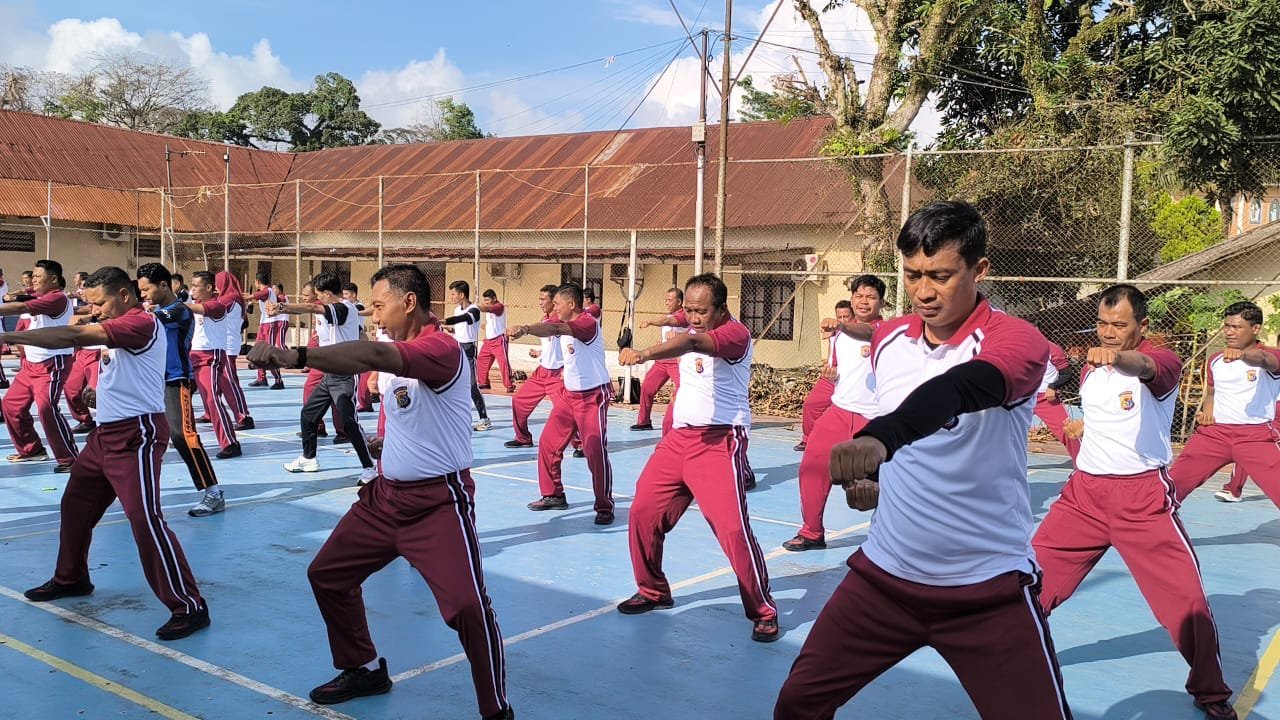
[762, 296]
[572, 273]
[149, 248]
[17, 241]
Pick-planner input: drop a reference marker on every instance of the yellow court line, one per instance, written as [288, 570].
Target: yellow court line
[605, 610]
[96, 680]
[1257, 682]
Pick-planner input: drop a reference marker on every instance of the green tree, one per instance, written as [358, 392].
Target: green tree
[131, 90]
[789, 99]
[1186, 226]
[447, 120]
[214, 126]
[328, 115]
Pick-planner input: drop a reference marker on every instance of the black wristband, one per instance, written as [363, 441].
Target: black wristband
[301, 362]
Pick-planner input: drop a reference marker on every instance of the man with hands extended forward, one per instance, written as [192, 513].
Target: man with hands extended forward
[421, 503]
[700, 458]
[947, 562]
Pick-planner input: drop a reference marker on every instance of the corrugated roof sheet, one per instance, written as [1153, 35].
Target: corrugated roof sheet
[639, 179]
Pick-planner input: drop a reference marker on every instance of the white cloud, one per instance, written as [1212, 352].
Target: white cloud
[636, 12]
[75, 45]
[423, 79]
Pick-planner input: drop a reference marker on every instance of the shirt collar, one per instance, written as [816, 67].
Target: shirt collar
[978, 318]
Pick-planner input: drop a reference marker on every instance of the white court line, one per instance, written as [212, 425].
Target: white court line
[616, 494]
[169, 653]
[603, 610]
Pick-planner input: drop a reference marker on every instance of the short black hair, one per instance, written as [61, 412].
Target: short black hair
[870, 281]
[52, 267]
[945, 224]
[461, 286]
[155, 273]
[550, 289]
[573, 291]
[404, 279]
[844, 305]
[204, 276]
[351, 287]
[178, 277]
[82, 275]
[679, 293]
[327, 282]
[713, 283]
[111, 278]
[490, 294]
[588, 293]
[1247, 311]
[263, 277]
[280, 287]
[1112, 296]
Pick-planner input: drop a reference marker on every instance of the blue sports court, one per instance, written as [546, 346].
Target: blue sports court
[554, 578]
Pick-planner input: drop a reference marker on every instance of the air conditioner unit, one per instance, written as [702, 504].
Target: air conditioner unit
[505, 271]
[805, 267]
[618, 272]
[114, 233]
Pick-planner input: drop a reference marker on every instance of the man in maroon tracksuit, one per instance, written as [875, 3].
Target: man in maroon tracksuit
[1121, 494]
[675, 321]
[122, 458]
[420, 506]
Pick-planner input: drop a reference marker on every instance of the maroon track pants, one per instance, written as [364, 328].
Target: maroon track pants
[1255, 449]
[84, 373]
[1138, 515]
[209, 366]
[122, 460]
[39, 384]
[1054, 416]
[430, 523]
[273, 334]
[702, 464]
[993, 634]
[587, 412]
[494, 349]
[835, 426]
[815, 403]
[654, 379]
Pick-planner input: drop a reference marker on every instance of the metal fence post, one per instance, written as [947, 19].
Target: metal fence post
[380, 263]
[475, 261]
[586, 206]
[1126, 209]
[900, 293]
[48, 223]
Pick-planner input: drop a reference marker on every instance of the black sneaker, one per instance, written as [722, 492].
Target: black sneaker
[205, 420]
[800, 543]
[579, 454]
[637, 604]
[319, 433]
[508, 714]
[64, 467]
[53, 590]
[604, 518]
[517, 444]
[245, 424]
[4, 384]
[749, 484]
[231, 451]
[549, 502]
[180, 626]
[258, 383]
[38, 456]
[84, 427]
[279, 385]
[765, 630]
[1219, 709]
[800, 446]
[351, 684]
[341, 440]
[642, 426]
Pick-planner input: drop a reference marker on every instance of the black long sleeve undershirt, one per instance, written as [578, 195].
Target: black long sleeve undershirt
[468, 316]
[966, 388]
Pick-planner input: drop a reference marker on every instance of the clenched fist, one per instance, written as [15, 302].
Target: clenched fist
[862, 494]
[856, 459]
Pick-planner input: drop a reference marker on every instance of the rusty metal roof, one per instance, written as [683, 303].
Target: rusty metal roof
[639, 179]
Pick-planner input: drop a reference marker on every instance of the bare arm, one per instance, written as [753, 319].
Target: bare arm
[674, 347]
[1258, 358]
[542, 330]
[293, 309]
[1129, 362]
[664, 321]
[12, 308]
[348, 358]
[56, 338]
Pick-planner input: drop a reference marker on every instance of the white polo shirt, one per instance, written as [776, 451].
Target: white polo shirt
[583, 352]
[855, 383]
[713, 388]
[1243, 394]
[51, 309]
[495, 321]
[427, 411]
[667, 331]
[212, 327]
[234, 321]
[467, 331]
[1127, 420]
[271, 299]
[1053, 368]
[552, 357]
[132, 369]
[338, 322]
[955, 507]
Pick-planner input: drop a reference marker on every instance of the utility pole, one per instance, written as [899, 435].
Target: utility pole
[226, 212]
[725, 87]
[700, 151]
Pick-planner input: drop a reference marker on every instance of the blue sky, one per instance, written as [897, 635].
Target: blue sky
[398, 51]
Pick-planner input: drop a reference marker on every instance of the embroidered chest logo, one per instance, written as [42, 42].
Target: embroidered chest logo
[866, 351]
[1251, 376]
[105, 356]
[570, 349]
[402, 397]
[1126, 400]
[952, 423]
[697, 365]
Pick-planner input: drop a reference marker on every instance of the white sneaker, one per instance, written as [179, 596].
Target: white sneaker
[367, 476]
[303, 464]
[211, 503]
[1226, 496]
[483, 425]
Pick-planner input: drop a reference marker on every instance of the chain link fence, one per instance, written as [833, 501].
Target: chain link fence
[1063, 223]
